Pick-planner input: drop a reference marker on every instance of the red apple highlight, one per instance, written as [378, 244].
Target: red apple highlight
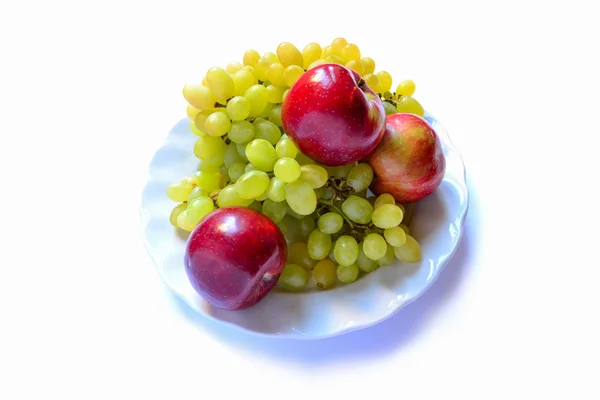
[333, 116]
[234, 257]
[408, 163]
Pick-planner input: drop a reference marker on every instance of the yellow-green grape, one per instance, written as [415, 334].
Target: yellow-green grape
[265, 129]
[315, 175]
[387, 216]
[360, 177]
[241, 149]
[294, 214]
[395, 236]
[287, 169]
[409, 252]
[275, 94]
[365, 263]
[241, 132]
[179, 191]
[200, 120]
[319, 244]
[260, 71]
[257, 95]
[251, 167]
[291, 74]
[196, 192]
[217, 124]
[327, 51]
[405, 228]
[242, 81]
[220, 83]
[191, 180]
[350, 52]
[276, 190]
[347, 273]
[286, 148]
[236, 170]
[185, 223]
[324, 274]
[294, 276]
[275, 115]
[385, 81]
[251, 184]
[275, 74]
[388, 259]
[269, 58]
[303, 159]
[199, 208]
[374, 246]
[337, 45]
[256, 206]
[310, 53]
[369, 65]
[266, 110]
[262, 154]
[335, 59]
[389, 108]
[407, 104]
[212, 164]
[298, 254]
[306, 226]
[341, 171]
[372, 81]
[199, 96]
[345, 250]
[228, 197]
[406, 88]
[275, 211]
[357, 209]
[178, 209]
[289, 55]
[208, 146]
[191, 112]
[209, 181]
[315, 64]
[238, 108]
[263, 196]
[233, 67]
[251, 57]
[402, 208]
[194, 129]
[330, 223]
[385, 198]
[356, 65]
[301, 197]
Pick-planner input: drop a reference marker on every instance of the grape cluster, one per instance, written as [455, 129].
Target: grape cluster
[335, 229]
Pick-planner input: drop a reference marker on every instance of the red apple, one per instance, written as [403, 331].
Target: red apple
[332, 115]
[234, 257]
[408, 163]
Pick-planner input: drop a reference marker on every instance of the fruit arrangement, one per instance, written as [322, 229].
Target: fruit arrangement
[309, 170]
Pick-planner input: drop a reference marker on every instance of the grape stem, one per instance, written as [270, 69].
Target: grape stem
[338, 210]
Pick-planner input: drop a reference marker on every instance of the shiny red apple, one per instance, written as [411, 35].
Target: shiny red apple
[332, 115]
[409, 162]
[234, 257]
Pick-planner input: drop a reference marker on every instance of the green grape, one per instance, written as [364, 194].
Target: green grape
[406, 88]
[275, 211]
[191, 111]
[199, 208]
[294, 276]
[217, 124]
[294, 214]
[319, 244]
[306, 226]
[262, 154]
[212, 164]
[252, 184]
[372, 81]
[241, 132]
[374, 246]
[241, 149]
[320, 192]
[224, 176]
[276, 190]
[324, 274]
[330, 222]
[257, 96]
[350, 52]
[360, 177]
[395, 236]
[238, 108]
[407, 104]
[347, 273]
[389, 108]
[311, 53]
[275, 94]
[409, 252]
[242, 80]
[405, 228]
[303, 159]
[275, 115]
[200, 120]
[179, 191]
[341, 171]
[199, 96]
[357, 209]
[387, 216]
[233, 67]
[315, 175]
[220, 83]
[236, 170]
[298, 254]
[287, 169]
[250, 167]
[331, 254]
[286, 148]
[388, 259]
[264, 114]
[231, 155]
[291, 74]
[385, 198]
[228, 197]
[275, 74]
[209, 181]
[301, 197]
[264, 129]
[194, 129]
[356, 65]
[251, 57]
[288, 54]
[208, 147]
[185, 223]
[365, 263]
[178, 209]
[385, 81]
[195, 193]
[263, 196]
[345, 250]
[256, 206]
[369, 65]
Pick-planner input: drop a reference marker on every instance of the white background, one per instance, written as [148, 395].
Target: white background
[88, 91]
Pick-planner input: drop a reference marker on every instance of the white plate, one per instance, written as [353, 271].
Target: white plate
[437, 225]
